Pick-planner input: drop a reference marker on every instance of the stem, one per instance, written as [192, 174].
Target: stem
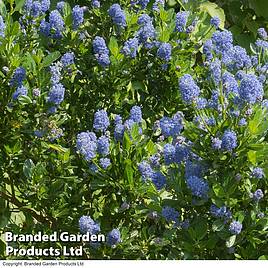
[20, 205]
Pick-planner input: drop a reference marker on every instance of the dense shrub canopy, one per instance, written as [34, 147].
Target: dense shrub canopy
[141, 120]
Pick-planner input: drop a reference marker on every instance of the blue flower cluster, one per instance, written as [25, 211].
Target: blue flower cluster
[86, 144]
[130, 47]
[78, 16]
[2, 27]
[170, 214]
[17, 81]
[113, 237]
[235, 227]
[172, 126]
[181, 20]
[95, 3]
[222, 212]
[101, 51]
[198, 186]
[215, 21]
[257, 173]
[164, 51]
[101, 121]
[55, 27]
[229, 140]
[117, 14]
[188, 88]
[67, 59]
[57, 90]
[258, 195]
[87, 225]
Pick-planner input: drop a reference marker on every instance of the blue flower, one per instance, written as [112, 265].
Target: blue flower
[113, 237]
[215, 21]
[87, 225]
[262, 44]
[236, 58]
[146, 32]
[182, 153]
[215, 70]
[101, 120]
[230, 84]
[78, 16]
[143, 3]
[2, 27]
[95, 3]
[56, 94]
[20, 91]
[198, 186]
[201, 103]
[159, 180]
[103, 145]
[36, 9]
[55, 71]
[188, 88]
[118, 15]
[171, 126]
[119, 131]
[103, 60]
[223, 41]
[136, 114]
[262, 33]
[67, 59]
[45, 4]
[18, 77]
[170, 214]
[169, 153]
[164, 51]
[229, 140]
[45, 28]
[258, 195]
[216, 143]
[257, 173]
[235, 227]
[157, 4]
[130, 47]
[242, 122]
[207, 49]
[222, 212]
[105, 162]
[144, 19]
[250, 89]
[86, 144]
[146, 170]
[181, 20]
[56, 24]
[60, 6]
[155, 160]
[101, 51]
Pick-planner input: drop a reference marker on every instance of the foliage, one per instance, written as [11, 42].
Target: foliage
[145, 124]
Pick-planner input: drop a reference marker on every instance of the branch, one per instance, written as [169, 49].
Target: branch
[20, 205]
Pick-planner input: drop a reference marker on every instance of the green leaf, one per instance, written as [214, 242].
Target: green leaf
[214, 10]
[218, 190]
[19, 4]
[24, 100]
[252, 157]
[230, 241]
[129, 172]
[200, 229]
[50, 58]
[113, 46]
[263, 257]
[28, 168]
[218, 225]
[150, 147]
